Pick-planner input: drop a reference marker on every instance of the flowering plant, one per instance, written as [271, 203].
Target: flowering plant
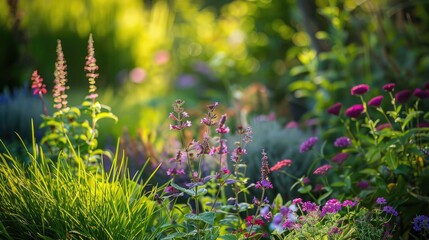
[382, 150]
[300, 219]
[70, 127]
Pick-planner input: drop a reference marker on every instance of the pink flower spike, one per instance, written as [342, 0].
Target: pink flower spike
[376, 101]
[359, 89]
[38, 86]
[335, 109]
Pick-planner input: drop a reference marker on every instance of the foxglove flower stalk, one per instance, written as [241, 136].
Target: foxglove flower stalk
[335, 109]
[359, 89]
[60, 87]
[91, 67]
[354, 111]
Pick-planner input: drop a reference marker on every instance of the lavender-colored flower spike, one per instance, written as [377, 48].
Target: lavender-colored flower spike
[91, 68]
[60, 87]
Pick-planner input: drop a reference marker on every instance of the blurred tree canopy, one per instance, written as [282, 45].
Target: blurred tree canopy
[305, 52]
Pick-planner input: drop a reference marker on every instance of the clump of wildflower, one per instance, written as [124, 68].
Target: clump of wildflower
[422, 94]
[265, 170]
[354, 111]
[389, 87]
[91, 67]
[279, 165]
[342, 142]
[335, 109]
[60, 87]
[359, 89]
[309, 207]
[222, 128]
[421, 223]
[39, 88]
[308, 144]
[402, 96]
[381, 201]
[332, 206]
[339, 158]
[322, 170]
[375, 101]
[390, 210]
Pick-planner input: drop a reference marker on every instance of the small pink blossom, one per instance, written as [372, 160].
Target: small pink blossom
[354, 111]
[376, 101]
[389, 87]
[322, 170]
[335, 109]
[359, 89]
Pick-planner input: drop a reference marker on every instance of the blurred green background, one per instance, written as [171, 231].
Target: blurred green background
[288, 58]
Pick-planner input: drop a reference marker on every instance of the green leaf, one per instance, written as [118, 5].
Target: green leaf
[229, 237]
[338, 184]
[305, 189]
[106, 115]
[190, 192]
[207, 217]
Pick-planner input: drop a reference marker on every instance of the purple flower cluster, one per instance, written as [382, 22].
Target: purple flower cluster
[332, 206]
[342, 142]
[390, 210]
[421, 223]
[381, 201]
[308, 144]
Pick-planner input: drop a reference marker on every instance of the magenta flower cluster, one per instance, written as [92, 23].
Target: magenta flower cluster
[342, 142]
